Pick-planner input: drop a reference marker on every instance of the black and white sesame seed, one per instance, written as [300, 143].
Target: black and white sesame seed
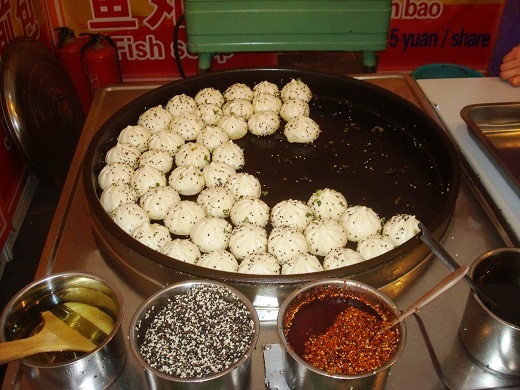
[198, 333]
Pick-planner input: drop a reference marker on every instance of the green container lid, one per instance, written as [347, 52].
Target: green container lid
[444, 71]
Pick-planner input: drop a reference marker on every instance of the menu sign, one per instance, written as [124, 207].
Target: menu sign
[431, 31]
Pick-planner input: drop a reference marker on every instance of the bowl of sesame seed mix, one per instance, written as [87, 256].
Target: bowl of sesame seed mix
[195, 335]
[331, 333]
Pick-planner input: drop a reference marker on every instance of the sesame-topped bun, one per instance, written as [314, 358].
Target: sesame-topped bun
[296, 89]
[158, 200]
[401, 227]
[243, 184]
[239, 107]
[250, 210]
[231, 154]
[247, 239]
[211, 234]
[135, 135]
[285, 243]
[302, 130]
[179, 104]
[292, 213]
[209, 95]
[235, 126]
[128, 216]
[166, 140]
[188, 125]
[124, 153]
[182, 249]
[324, 235]
[117, 194]
[155, 119]
[238, 91]
[193, 153]
[341, 257]
[187, 180]
[266, 87]
[375, 245]
[216, 174]
[152, 235]
[267, 102]
[301, 264]
[360, 222]
[147, 177]
[216, 201]
[114, 173]
[212, 136]
[293, 108]
[160, 159]
[182, 216]
[209, 113]
[327, 203]
[263, 123]
[259, 264]
[221, 260]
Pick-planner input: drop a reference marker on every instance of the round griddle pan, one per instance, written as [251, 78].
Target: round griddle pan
[377, 149]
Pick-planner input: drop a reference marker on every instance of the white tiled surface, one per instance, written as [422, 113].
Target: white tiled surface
[449, 96]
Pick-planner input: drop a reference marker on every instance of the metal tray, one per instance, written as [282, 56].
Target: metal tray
[497, 129]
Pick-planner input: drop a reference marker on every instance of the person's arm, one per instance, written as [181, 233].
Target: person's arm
[510, 68]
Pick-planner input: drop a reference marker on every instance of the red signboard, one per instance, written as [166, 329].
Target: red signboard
[143, 33]
[423, 32]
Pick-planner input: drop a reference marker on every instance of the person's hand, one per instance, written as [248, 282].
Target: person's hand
[510, 68]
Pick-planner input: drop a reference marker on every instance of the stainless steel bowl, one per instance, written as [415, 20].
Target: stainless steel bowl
[492, 334]
[302, 375]
[22, 315]
[236, 376]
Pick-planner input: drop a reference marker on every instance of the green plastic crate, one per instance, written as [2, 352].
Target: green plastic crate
[215, 26]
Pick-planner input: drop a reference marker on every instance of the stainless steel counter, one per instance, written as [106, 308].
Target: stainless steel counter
[433, 345]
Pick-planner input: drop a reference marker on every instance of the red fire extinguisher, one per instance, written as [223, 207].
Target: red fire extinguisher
[68, 51]
[101, 61]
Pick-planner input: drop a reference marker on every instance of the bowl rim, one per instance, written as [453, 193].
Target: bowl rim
[165, 292]
[48, 280]
[487, 256]
[383, 298]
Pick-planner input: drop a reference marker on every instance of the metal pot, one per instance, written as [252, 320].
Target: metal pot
[22, 315]
[302, 375]
[492, 335]
[236, 376]
[422, 177]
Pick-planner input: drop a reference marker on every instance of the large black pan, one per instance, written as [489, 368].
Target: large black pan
[375, 148]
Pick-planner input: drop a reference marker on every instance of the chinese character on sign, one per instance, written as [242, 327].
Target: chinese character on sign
[25, 14]
[162, 9]
[111, 15]
[6, 24]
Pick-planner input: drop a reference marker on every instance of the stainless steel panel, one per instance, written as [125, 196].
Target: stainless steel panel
[433, 343]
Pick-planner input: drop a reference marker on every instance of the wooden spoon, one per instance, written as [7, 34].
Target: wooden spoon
[54, 336]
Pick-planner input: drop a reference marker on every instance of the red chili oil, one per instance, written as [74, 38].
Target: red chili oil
[338, 333]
